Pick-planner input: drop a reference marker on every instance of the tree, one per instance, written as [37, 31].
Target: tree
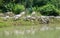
[56, 3]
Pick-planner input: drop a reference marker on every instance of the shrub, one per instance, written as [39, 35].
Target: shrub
[9, 6]
[18, 8]
[48, 10]
[34, 9]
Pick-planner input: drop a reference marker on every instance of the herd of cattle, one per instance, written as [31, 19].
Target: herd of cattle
[32, 17]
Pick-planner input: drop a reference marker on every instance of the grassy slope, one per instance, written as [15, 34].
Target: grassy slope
[20, 25]
[21, 22]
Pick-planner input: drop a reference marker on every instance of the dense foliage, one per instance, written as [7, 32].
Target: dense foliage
[48, 10]
[18, 8]
[45, 7]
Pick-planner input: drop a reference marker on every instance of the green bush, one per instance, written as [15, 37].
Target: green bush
[34, 9]
[9, 6]
[18, 8]
[48, 10]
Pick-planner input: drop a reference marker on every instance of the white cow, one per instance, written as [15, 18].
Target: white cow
[27, 17]
[17, 16]
[1, 15]
[6, 17]
[22, 13]
[31, 18]
[57, 17]
[33, 13]
[44, 19]
[9, 14]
